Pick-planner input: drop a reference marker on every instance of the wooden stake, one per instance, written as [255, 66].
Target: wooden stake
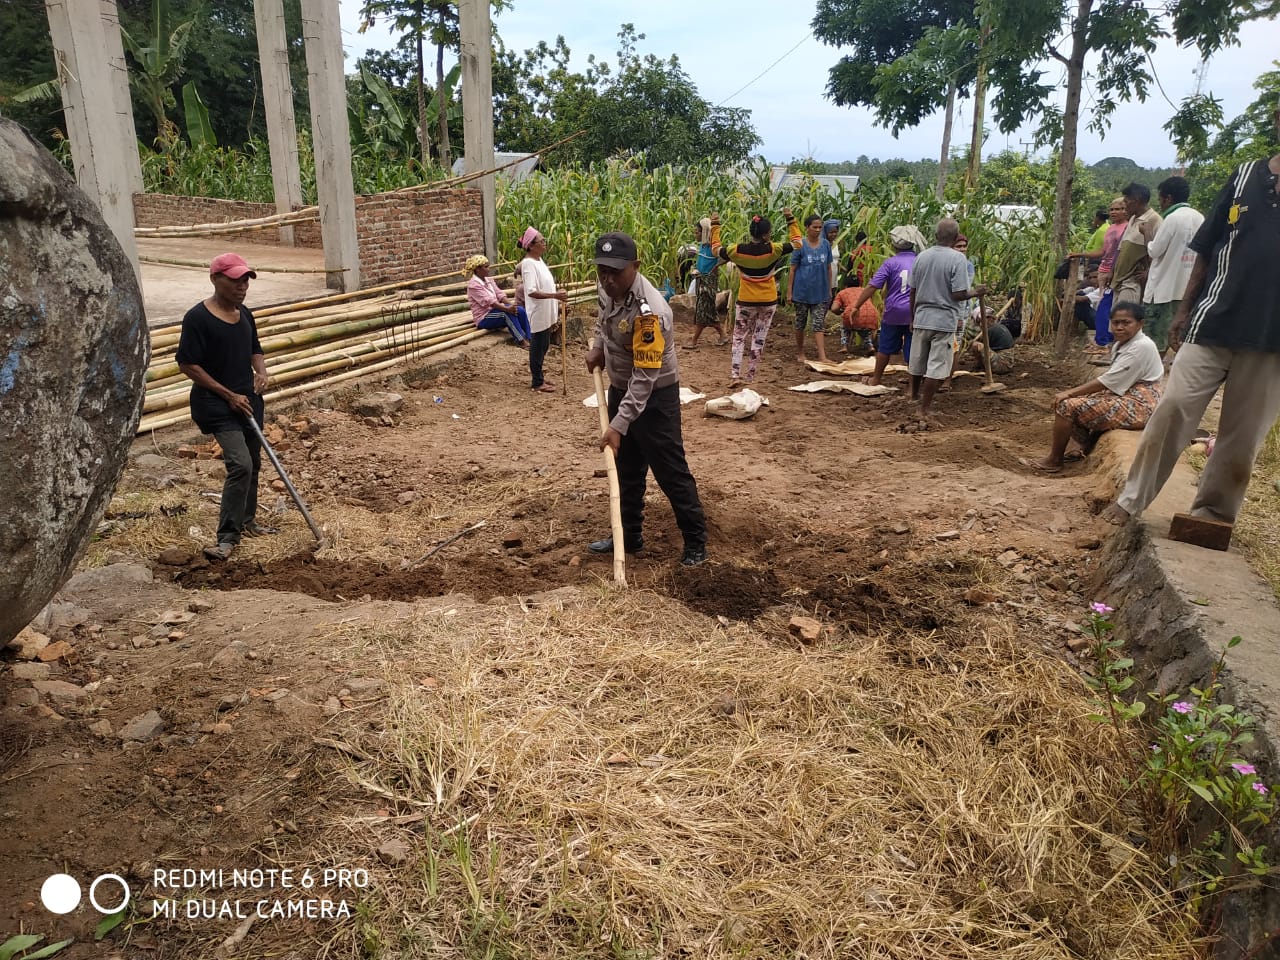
[615, 495]
[564, 352]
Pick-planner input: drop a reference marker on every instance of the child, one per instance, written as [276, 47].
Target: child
[706, 279]
[831, 229]
[859, 319]
[757, 261]
[808, 287]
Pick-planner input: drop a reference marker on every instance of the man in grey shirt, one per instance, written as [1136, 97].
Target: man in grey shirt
[939, 288]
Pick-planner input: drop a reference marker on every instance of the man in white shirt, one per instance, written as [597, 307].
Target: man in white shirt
[1171, 259]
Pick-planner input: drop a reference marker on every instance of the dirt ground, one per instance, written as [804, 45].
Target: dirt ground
[820, 505]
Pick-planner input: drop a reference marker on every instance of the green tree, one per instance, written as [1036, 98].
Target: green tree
[158, 54]
[1247, 137]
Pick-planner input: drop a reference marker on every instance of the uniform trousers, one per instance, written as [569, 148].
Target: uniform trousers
[654, 442]
[1250, 403]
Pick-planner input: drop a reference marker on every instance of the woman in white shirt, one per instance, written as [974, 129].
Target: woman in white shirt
[542, 300]
[1123, 398]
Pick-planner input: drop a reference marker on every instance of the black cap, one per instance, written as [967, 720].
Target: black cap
[616, 250]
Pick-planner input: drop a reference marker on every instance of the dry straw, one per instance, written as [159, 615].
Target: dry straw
[623, 777]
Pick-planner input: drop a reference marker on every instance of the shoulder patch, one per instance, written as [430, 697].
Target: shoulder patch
[648, 342]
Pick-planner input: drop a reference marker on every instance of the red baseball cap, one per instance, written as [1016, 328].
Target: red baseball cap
[231, 265]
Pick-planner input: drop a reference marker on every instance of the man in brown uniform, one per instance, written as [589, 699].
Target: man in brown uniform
[635, 343]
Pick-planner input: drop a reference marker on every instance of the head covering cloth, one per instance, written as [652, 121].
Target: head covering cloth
[473, 261]
[529, 237]
[907, 238]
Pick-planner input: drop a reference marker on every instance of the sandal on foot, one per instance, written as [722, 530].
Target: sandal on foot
[1037, 465]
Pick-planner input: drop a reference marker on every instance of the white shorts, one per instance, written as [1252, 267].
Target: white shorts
[932, 352]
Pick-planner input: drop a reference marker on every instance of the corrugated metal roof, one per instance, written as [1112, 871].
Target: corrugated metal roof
[529, 163]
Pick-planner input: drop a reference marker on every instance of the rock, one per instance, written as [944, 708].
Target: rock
[364, 684]
[332, 707]
[407, 497]
[141, 643]
[394, 851]
[145, 726]
[76, 342]
[1078, 643]
[113, 580]
[58, 650]
[806, 629]
[511, 540]
[174, 557]
[200, 605]
[378, 404]
[228, 702]
[275, 695]
[59, 618]
[1086, 541]
[900, 527]
[101, 728]
[1058, 582]
[371, 422]
[31, 671]
[24, 697]
[29, 643]
[1008, 558]
[947, 535]
[220, 729]
[187, 452]
[59, 690]
[152, 461]
[389, 421]
[303, 428]
[980, 596]
[227, 657]
[575, 561]
[1059, 523]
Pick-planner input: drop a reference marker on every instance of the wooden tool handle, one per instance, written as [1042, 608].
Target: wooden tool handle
[615, 495]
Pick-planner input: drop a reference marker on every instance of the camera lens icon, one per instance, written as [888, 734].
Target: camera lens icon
[61, 893]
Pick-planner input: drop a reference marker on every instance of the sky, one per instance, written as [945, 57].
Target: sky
[723, 48]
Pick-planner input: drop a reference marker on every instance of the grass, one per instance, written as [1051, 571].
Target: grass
[1257, 530]
[621, 777]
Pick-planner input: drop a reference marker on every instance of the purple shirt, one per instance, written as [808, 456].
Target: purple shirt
[892, 279]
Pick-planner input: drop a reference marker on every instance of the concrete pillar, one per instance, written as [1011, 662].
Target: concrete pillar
[477, 109]
[277, 102]
[331, 137]
[120, 90]
[99, 152]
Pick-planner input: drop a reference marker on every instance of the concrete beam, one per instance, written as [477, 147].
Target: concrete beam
[99, 151]
[477, 110]
[277, 102]
[331, 139]
[120, 91]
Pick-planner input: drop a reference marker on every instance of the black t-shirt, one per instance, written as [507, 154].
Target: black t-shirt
[1239, 305]
[225, 352]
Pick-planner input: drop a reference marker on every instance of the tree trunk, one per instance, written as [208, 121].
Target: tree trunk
[424, 135]
[442, 105]
[944, 159]
[979, 111]
[1067, 168]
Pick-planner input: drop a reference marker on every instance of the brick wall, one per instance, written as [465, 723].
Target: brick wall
[400, 236]
[406, 235]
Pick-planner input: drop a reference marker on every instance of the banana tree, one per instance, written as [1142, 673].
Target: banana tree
[159, 59]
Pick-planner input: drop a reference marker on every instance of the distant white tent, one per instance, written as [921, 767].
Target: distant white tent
[780, 177]
[527, 165]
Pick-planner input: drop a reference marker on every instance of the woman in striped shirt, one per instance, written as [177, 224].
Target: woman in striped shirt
[757, 261]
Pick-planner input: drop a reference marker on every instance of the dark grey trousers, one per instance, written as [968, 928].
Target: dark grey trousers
[242, 454]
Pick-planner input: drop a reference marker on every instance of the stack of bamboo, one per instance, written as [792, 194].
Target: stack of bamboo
[318, 343]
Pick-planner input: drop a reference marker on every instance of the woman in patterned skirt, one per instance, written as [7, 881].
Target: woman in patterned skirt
[1123, 398]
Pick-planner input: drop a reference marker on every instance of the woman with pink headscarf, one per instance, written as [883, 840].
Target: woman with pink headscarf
[541, 296]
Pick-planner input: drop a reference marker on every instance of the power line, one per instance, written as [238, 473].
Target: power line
[765, 70]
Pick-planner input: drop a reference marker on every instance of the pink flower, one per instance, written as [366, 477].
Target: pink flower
[1259, 786]
[1183, 707]
[1101, 609]
[1244, 769]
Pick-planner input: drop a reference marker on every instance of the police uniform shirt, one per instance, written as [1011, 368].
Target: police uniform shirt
[639, 351]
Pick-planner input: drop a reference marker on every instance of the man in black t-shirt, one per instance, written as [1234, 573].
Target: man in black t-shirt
[220, 352]
[1228, 325]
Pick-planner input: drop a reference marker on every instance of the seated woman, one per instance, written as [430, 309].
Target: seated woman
[490, 307]
[1123, 398]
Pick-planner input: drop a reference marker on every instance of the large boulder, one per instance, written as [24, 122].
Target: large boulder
[73, 355]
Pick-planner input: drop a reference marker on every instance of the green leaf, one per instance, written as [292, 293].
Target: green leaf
[199, 129]
[48, 951]
[1201, 792]
[109, 923]
[1200, 601]
[49, 90]
[17, 944]
[1234, 642]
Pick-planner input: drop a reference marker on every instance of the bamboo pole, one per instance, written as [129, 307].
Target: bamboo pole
[148, 424]
[564, 353]
[202, 265]
[615, 495]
